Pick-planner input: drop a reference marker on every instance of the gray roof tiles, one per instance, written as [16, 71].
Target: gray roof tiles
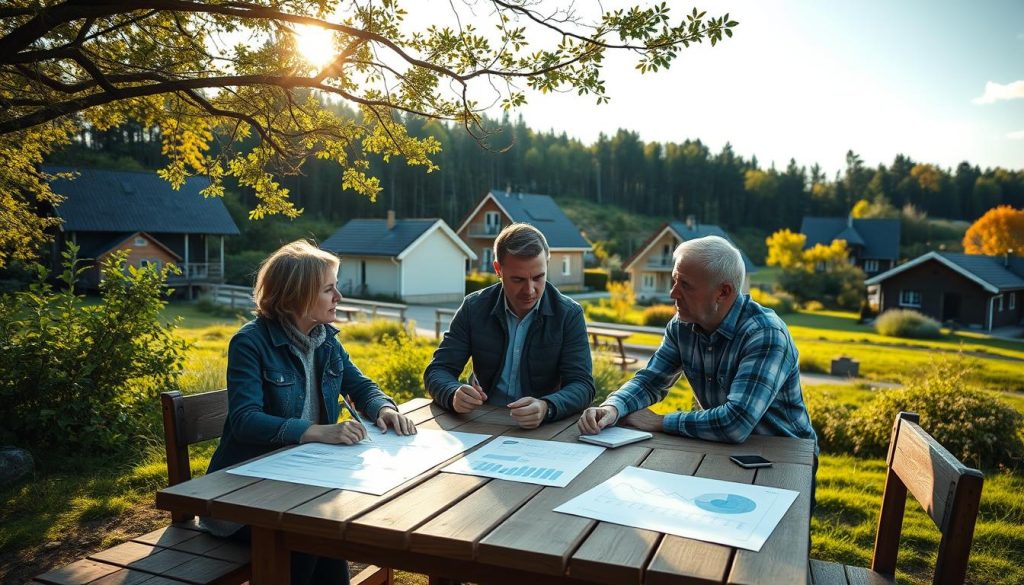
[371, 237]
[880, 237]
[543, 213]
[991, 269]
[701, 230]
[131, 201]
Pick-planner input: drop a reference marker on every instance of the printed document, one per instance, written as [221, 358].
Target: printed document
[548, 463]
[733, 514]
[369, 467]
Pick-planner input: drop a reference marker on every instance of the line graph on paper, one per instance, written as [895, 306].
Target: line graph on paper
[734, 514]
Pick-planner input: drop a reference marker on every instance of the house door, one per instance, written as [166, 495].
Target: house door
[950, 307]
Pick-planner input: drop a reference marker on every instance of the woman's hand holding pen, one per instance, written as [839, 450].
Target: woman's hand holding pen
[349, 432]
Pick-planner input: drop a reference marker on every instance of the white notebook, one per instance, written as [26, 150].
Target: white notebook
[616, 437]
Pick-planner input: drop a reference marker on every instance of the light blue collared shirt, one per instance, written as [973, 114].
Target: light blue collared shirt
[508, 387]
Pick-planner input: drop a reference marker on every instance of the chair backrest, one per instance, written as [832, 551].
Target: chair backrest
[949, 492]
[190, 419]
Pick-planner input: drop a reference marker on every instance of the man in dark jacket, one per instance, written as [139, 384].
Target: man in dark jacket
[528, 341]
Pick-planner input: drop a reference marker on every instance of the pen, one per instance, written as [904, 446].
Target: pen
[355, 415]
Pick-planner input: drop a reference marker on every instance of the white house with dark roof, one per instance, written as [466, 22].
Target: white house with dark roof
[106, 210]
[498, 209]
[874, 244]
[415, 260]
[650, 268]
[984, 292]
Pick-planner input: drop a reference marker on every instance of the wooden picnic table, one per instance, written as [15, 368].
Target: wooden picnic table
[486, 530]
[616, 336]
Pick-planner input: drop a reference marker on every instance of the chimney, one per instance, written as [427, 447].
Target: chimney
[508, 189]
[391, 219]
[1006, 258]
[691, 222]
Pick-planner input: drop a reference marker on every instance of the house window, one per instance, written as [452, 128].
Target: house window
[566, 266]
[647, 281]
[910, 298]
[139, 241]
[871, 266]
[155, 263]
[487, 260]
[1013, 301]
[999, 303]
[492, 223]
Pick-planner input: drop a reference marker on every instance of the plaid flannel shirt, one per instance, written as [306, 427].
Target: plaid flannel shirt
[745, 377]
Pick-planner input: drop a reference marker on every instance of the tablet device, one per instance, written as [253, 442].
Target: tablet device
[612, 437]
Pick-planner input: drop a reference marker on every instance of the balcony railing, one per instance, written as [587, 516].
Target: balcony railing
[660, 262]
[483, 230]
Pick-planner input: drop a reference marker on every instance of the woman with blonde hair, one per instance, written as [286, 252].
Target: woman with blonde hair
[287, 374]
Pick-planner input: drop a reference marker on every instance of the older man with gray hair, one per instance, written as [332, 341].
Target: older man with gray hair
[737, 355]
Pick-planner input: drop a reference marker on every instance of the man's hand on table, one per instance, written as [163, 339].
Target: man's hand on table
[596, 418]
[469, 397]
[528, 412]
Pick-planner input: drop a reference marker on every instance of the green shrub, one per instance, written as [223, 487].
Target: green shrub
[780, 302]
[241, 267]
[974, 425]
[373, 331]
[907, 323]
[479, 280]
[813, 305]
[398, 365]
[84, 378]
[658, 315]
[596, 278]
[608, 376]
[831, 421]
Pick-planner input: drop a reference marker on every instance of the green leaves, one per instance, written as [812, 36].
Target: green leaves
[79, 376]
[66, 66]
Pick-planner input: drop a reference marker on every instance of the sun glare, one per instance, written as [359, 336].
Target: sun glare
[315, 45]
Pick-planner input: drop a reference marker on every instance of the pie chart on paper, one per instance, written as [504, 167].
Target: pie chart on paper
[725, 503]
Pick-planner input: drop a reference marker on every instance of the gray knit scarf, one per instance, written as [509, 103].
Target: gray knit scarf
[304, 347]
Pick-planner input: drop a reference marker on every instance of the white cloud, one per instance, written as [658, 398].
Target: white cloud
[995, 92]
[1018, 135]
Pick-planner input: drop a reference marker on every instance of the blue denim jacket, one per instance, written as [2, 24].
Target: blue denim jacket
[266, 389]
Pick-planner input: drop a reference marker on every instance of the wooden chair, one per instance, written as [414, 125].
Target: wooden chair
[949, 492]
[181, 553]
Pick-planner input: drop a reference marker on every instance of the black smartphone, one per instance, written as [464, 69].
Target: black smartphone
[750, 461]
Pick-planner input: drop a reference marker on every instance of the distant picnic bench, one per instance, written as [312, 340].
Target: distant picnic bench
[602, 338]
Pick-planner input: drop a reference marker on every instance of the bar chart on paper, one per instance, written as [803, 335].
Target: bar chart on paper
[548, 463]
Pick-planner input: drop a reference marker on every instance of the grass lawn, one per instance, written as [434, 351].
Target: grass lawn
[77, 507]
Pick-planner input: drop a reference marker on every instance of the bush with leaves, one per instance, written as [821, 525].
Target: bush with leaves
[479, 280]
[780, 302]
[658, 315]
[907, 323]
[973, 424]
[398, 366]
[79, 377]
[608, 376]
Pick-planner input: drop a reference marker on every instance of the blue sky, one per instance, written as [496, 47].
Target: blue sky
[812, 79]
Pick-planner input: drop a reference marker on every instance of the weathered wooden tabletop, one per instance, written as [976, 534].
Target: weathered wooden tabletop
[496, 531]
